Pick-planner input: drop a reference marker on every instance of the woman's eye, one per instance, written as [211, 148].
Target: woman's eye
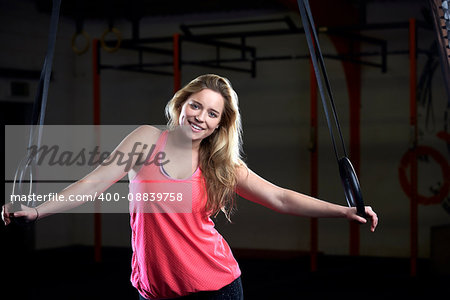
[213, 115]
[194, 106]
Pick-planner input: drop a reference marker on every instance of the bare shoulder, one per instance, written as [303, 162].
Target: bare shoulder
[148, 130]
[145, 134]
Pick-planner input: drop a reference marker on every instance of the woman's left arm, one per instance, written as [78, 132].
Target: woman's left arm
[256, 189]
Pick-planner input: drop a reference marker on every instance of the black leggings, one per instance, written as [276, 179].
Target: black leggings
[232, 291]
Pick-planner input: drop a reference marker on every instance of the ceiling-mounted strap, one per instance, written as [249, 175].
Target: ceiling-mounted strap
[348, 176]
[26, 165]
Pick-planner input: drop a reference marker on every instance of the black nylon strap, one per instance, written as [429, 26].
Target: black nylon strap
[40, 101]
[316, 56]
[348, 176]
[26, 165]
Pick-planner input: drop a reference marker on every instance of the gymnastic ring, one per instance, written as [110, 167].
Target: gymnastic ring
[118, 35]
[442, 162]
[87, 44]
[351, 185]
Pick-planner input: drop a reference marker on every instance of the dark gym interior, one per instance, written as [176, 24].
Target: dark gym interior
[118, 62]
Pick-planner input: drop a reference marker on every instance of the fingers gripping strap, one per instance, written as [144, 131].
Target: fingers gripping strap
[351, 185]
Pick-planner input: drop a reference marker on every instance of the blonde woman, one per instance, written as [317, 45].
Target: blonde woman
[181, 255]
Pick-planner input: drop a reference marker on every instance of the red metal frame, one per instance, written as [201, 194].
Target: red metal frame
[176, 63]
[413, 124]
[354, 88]
[314, 166]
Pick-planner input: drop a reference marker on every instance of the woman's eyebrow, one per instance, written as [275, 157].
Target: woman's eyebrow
[215, 111]
[196, 102]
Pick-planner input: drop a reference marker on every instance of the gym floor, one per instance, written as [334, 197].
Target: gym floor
[71, 273]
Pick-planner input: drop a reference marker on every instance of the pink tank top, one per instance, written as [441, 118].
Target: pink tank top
[175, 254]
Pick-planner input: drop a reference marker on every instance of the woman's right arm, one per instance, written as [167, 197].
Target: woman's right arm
[94, 183]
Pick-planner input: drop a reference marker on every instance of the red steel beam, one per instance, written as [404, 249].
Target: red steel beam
[413, 124]
[176, 63]
[314, 166]
[354, 89]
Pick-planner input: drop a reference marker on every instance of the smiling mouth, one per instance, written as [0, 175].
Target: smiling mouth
[195, 127]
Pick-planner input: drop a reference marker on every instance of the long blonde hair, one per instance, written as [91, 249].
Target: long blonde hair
[220, 153]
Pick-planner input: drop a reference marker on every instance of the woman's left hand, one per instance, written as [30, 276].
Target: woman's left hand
[370, 216]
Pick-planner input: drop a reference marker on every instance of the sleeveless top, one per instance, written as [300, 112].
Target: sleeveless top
[175, 253]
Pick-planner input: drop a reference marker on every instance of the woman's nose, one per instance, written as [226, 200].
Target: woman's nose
[200, 117]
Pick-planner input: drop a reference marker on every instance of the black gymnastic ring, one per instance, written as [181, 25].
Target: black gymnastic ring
[351, 185]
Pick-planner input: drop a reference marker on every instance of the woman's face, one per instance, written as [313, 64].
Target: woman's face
[202, 112]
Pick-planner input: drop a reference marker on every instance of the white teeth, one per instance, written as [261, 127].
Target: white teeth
[196, 127]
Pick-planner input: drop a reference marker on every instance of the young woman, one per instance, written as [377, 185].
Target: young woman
[181, 254]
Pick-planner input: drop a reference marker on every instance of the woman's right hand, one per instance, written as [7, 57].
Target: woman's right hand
[26, 214]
